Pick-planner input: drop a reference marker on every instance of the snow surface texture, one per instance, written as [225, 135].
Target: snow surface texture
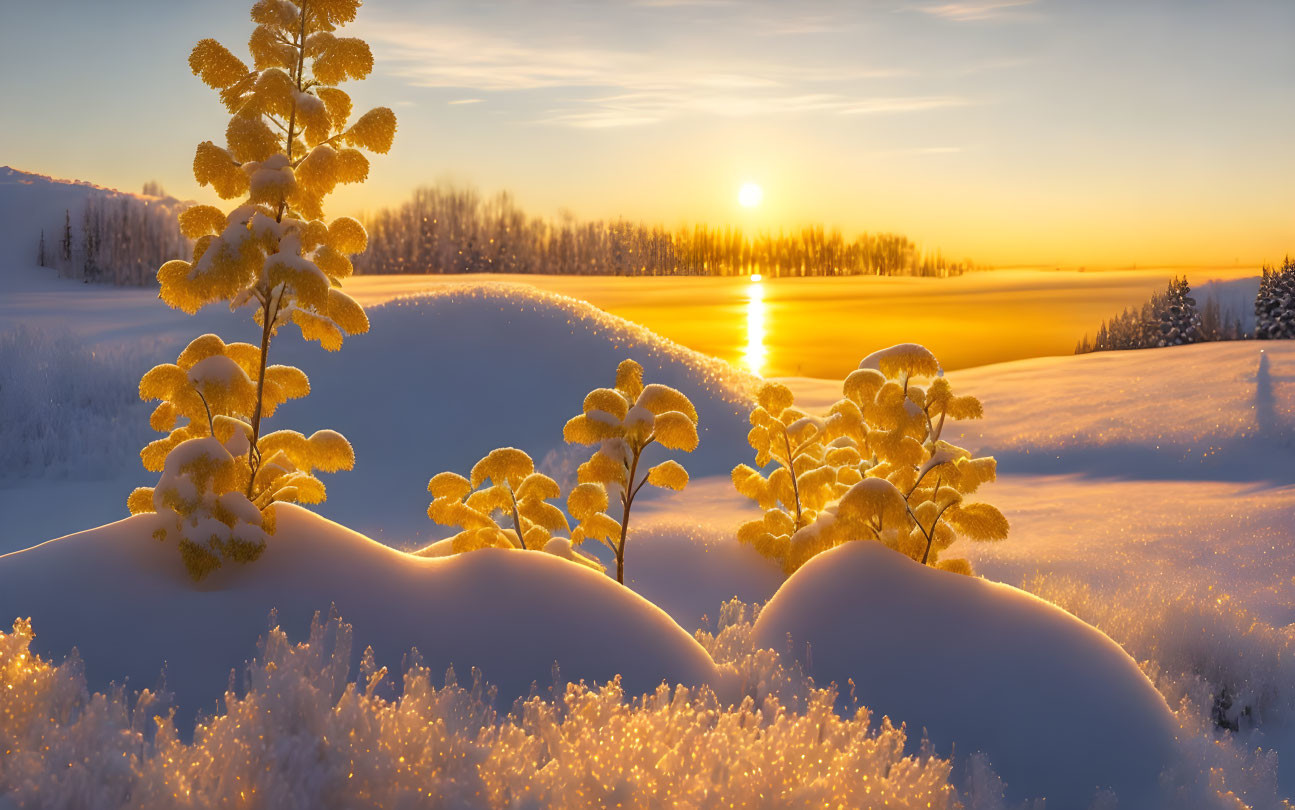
[1061, 710]
[510, 614]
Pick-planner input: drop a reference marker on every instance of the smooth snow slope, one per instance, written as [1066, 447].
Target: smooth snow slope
[125, 602]
[1059, 708]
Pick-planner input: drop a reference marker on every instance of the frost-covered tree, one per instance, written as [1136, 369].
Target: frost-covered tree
[289, 143]
[623, 422]
[1275, 303]
[884, 474]
[503, 504]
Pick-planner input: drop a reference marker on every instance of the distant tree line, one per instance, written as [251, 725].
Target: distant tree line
[1173, 318]
[115, 239]
[450, 230]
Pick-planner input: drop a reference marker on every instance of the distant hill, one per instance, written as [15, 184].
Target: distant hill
[112, 236]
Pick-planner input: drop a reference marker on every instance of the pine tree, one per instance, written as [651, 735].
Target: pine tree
[884, 474]
[40, 252]
[289, 144]
[1179, 320]
[623, 422]
[1275, 303]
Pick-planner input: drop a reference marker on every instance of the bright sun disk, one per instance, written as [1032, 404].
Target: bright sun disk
[750, 195]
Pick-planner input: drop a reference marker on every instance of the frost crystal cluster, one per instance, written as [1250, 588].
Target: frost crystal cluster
[303, 735]
[289, 143]
[875, 468]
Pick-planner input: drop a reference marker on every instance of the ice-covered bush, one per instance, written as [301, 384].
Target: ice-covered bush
[290, 143]
[623, 422]
[504, 504]
[875, 468]
[303, 735]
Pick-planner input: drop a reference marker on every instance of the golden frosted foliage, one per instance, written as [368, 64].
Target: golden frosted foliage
[375, 130]
[338, 59]
[250, 139]
[503, 504]
[674, 430]
[876, 468]
[215, 65]
[213, 166]
[201, 220]
[338, 104]
[623, 422]
[668, 474]
[585, 500]
[346, 235]
[268, 50]
[336, 12]
[904, 360]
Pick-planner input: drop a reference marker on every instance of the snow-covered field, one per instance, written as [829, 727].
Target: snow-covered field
[1151, 495]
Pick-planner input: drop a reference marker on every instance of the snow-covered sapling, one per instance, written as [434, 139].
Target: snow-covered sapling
[884, 470]
[290, 143]
[623, 422]
[504, 504]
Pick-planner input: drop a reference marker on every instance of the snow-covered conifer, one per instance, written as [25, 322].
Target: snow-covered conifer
[885, 473]
[1275, 303]
[503, 504]
[623, 422]
[1179, 320]
[289, 143]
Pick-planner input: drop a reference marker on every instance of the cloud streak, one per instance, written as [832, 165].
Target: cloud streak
[620, 88]
[973, 11]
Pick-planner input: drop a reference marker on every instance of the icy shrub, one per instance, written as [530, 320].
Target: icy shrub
[875, 468]
[303, 735]
[503, 486]
[623, 422]
[65, 409]
[275, 253]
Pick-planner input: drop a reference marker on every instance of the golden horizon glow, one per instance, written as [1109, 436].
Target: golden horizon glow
[750, 195]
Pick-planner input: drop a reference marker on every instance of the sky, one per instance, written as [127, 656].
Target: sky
[1102, 133]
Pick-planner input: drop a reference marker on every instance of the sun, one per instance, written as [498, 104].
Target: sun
[750, 195]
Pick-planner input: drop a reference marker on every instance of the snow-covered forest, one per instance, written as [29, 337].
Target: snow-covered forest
[277, 535]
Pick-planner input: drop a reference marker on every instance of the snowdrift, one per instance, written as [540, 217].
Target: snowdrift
[125, 602]
[1059, 708]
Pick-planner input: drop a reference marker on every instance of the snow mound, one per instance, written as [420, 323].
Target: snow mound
[125, 602]
[443, 378]
[1060, 709]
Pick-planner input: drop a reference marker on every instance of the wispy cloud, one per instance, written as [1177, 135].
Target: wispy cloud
[465, 101]
[967, 11]
[620, 88]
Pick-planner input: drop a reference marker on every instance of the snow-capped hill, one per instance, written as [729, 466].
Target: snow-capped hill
[125, 602]
[1059, 708]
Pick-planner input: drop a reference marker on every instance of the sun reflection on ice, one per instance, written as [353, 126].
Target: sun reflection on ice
[755, 355]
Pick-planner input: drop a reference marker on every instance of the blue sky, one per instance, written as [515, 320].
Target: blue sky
[1009, 131]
